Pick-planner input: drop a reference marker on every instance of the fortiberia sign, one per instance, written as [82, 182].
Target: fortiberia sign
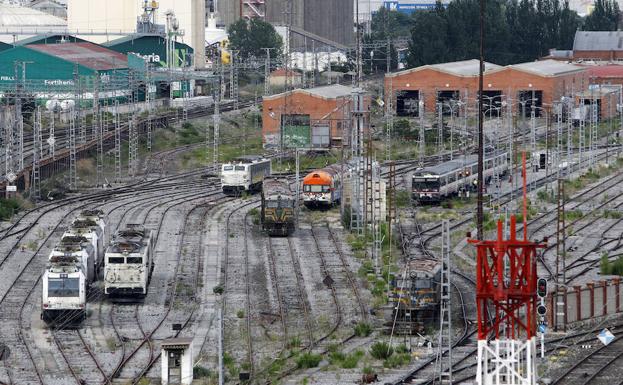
[181, 57]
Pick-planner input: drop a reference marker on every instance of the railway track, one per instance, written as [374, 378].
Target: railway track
[290, 293]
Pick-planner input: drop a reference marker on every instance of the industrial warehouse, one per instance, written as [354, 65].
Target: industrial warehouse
[260, 192]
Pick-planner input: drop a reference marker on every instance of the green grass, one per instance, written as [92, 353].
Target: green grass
[308, 360]
[381, 350]
[363, 329]
[9, 207]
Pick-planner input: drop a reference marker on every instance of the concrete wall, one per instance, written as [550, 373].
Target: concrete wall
[121, 16]
[109, 15]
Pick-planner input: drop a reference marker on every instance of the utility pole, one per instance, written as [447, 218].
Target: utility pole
[233, 80]
[35, 186]
[422, 143]
[216, 120]
[148, 102]
[389, 120]
[481, 144]
[117, 143]
[267, 72]
[445, 310]
[97, 128]
[561, 277]
[51, 140]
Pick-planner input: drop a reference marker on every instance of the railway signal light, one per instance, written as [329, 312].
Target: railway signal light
[541, 287]
[541, 310]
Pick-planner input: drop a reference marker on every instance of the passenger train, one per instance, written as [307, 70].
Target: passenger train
[278, 207]
[322, 188]
[436, 183]
[245, 174]
[72, 268]
[128, 263]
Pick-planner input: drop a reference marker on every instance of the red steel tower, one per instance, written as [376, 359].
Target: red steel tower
[506, 299]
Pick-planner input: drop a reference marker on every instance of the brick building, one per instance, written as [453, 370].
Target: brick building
[598, 46]
[611, 74]
[314, 117]
[451, 85]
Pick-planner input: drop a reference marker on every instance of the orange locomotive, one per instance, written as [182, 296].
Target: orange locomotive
[322, 188]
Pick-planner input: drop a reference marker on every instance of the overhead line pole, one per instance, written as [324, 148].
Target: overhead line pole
[479, 212]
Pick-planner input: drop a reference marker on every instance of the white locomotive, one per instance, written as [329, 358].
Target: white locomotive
[91, 225]
[66, 280]
[128, 262]
[245, 174]
[72, 266]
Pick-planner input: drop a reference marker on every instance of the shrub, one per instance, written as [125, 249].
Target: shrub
[200, 371]
[218, 289]
[397, 360]
[294, 342]
[381, 350]
[240, 313]
[363, 329]
[308, 360]
[351, 360]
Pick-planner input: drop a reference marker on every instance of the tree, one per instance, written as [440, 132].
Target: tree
[515, 31]
[250, 38]
[605, 16]
[429, 38]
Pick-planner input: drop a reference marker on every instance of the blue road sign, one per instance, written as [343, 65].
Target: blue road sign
[542, 328]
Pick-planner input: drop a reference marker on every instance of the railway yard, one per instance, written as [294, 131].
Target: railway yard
[305, 308]
[235, 243]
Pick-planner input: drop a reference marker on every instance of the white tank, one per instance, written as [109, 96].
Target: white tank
[52, 104]
[67, 105]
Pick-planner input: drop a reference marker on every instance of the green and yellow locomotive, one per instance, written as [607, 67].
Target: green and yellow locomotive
[277, 216]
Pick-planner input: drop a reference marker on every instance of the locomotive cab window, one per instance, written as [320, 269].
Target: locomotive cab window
[135, 260]
[421, 283]
[228, 168]
[116, 260]
[272, 204]
[240, 168]
[63, 287]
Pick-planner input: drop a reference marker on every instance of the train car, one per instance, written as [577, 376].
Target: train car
[91, 224]
[245, 174]
[66, 281]
[436, 183]
[415, 297]
[278, 204]
[322, 188]
[128, 263]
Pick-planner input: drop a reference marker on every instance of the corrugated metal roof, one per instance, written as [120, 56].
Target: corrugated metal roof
[598, 41]
[87, 54]
[14, 17]
[547, 67]
[465, 68]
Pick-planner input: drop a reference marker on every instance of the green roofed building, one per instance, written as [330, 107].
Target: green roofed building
[62, 70]
[153, 49]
